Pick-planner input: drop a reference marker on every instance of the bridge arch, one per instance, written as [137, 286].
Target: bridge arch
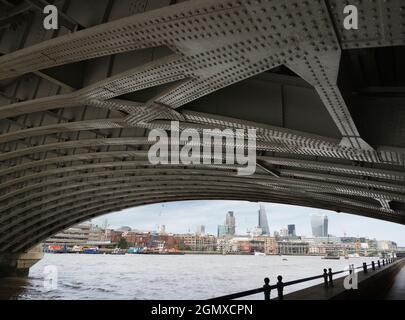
[76, 110]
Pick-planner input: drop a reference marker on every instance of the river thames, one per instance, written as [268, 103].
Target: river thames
[81, 276]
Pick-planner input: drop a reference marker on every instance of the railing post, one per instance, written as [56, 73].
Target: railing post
[325, 278]
[266, 288]
[365, 267]
[330, 274]
[379, 264]
[373, 265]
[280, 287]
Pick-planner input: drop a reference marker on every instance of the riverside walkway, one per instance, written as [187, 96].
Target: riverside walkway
[397, 291]
[382, 279]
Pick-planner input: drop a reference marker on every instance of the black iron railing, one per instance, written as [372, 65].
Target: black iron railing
[327, 276]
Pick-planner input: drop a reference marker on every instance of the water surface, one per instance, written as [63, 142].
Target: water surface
[163, 276]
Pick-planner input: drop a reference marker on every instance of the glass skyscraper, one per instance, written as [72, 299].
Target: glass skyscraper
[230, 222]
[319, 224]
[227, 229]
[263, 224]
[223, 230]
[291, 230]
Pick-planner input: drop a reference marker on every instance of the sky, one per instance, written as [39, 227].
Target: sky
[185, 216]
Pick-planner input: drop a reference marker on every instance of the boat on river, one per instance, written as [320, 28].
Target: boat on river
[332, 255]
[259, 253]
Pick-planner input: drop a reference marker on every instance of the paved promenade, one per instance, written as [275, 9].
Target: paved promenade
[397, 291]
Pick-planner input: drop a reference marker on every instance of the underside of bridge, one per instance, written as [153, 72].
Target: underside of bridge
[77, 103]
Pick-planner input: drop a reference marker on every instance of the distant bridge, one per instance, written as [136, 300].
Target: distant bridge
[77, 103]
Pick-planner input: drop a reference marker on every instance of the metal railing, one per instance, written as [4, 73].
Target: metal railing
[327, 276]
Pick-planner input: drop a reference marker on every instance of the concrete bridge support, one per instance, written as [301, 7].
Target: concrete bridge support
[19, 264]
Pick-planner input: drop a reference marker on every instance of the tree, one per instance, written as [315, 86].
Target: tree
[122, 243]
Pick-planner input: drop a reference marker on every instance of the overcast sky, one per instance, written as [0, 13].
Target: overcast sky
[184, 216]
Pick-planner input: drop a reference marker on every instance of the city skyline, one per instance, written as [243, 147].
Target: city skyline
[185, 216]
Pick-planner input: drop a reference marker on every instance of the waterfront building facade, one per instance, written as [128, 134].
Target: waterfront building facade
[287, 242]
[387, 245]
[77, 235]
[196, 242]
[293, 247]
[329, 239]
[97, 235]
[269, 244]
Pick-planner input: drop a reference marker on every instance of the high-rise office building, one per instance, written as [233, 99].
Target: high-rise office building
[200, 230]
[227, 229]
[319, 224]
[263, 224]
[291, 230]
[230, 222]
[162, 229]
[283, 232]
[223, 230]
